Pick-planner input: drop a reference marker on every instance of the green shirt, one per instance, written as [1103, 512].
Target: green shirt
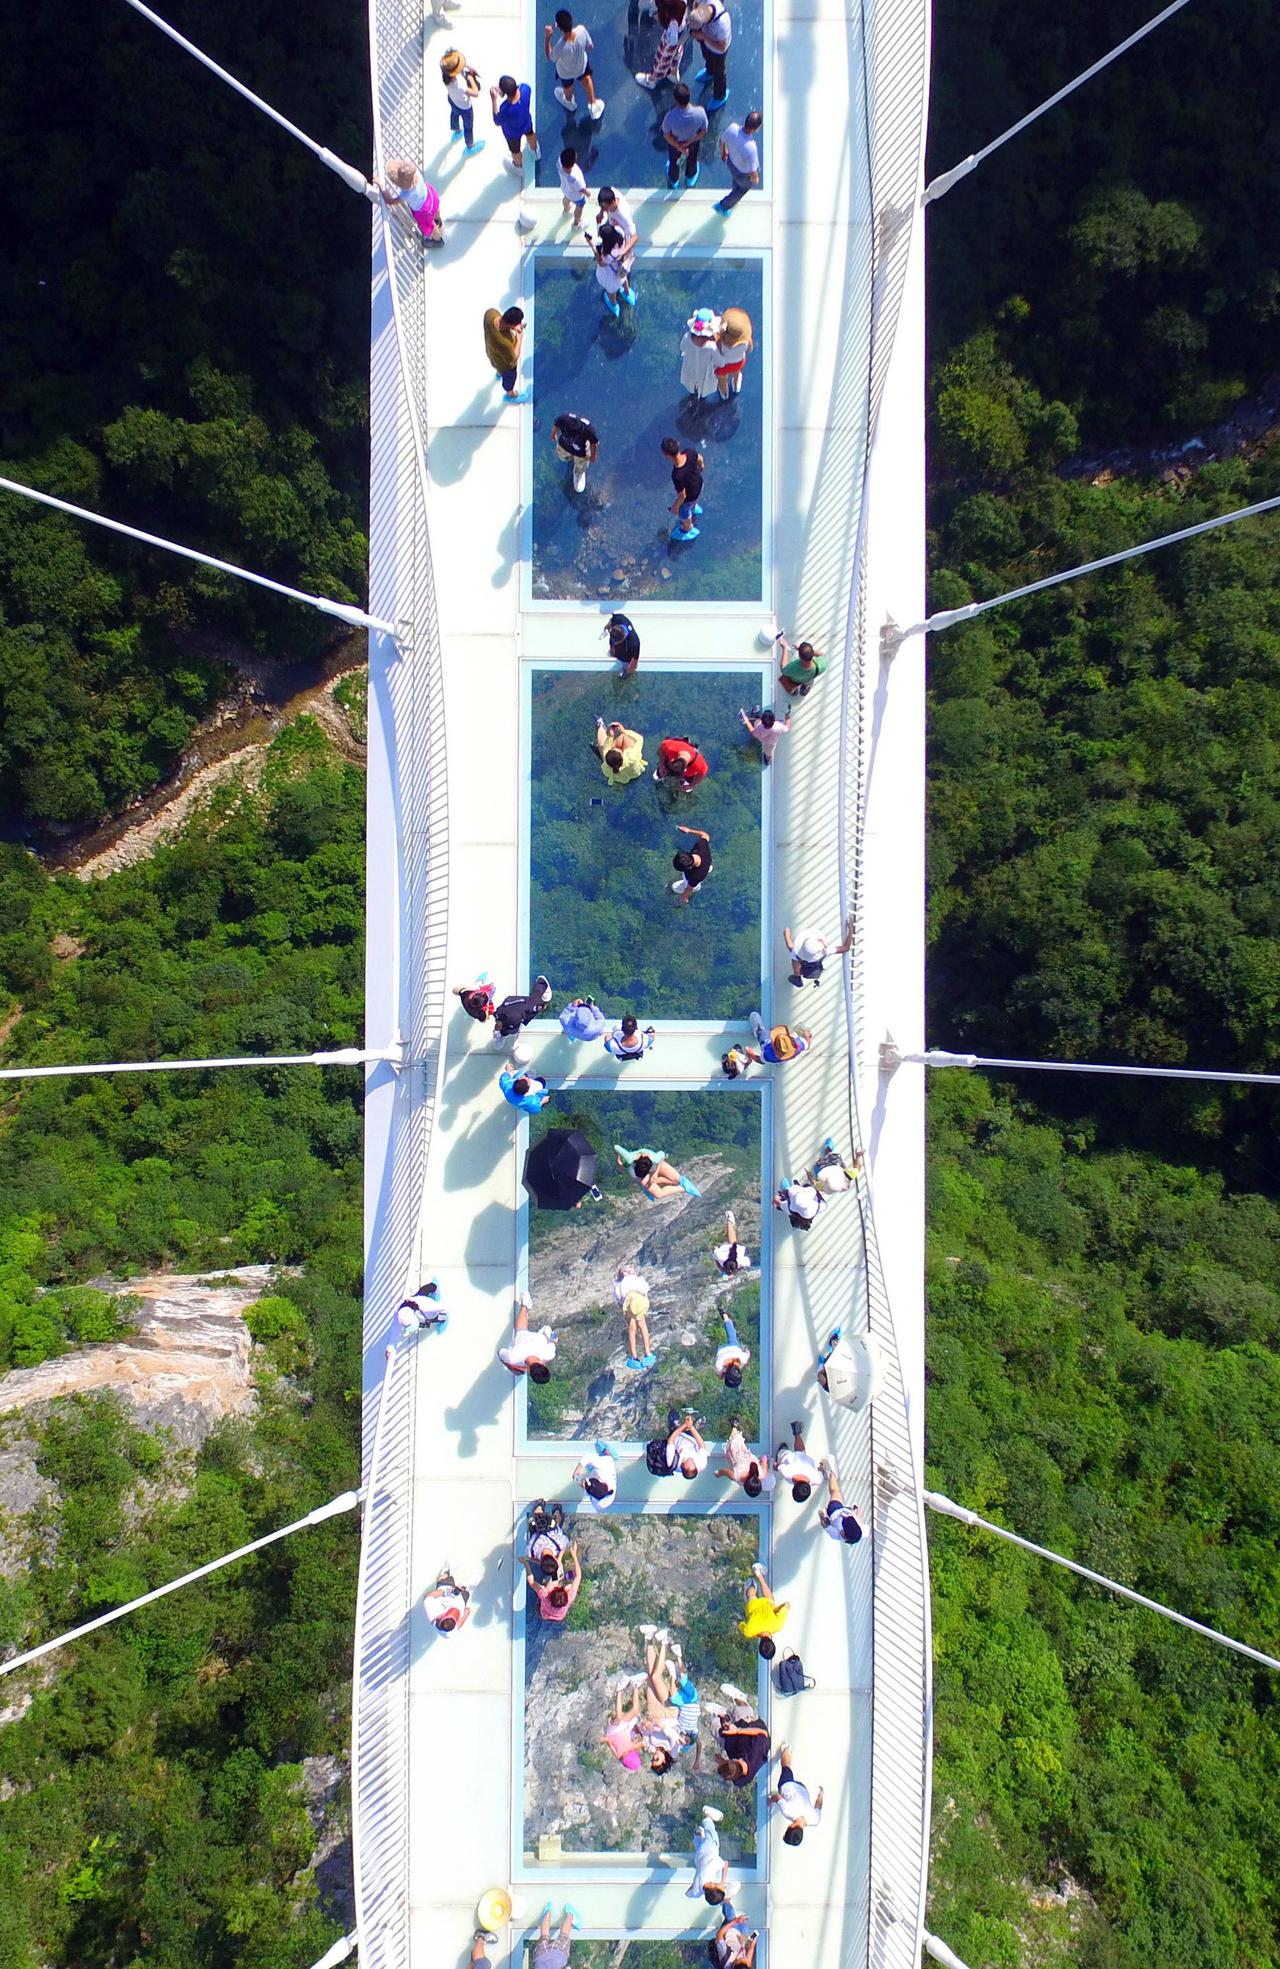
[796, 672]
[500, 344]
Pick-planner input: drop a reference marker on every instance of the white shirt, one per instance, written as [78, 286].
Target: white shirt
[797, 1466]
[609, 271]
[630, 1282]
[443, 1600]
[802, 1200]
[708, 1864]
[571, 53]
[832, 1527]
[606, 1470]
[743, 151]
[572, 183]
[458, 93]
[810, 947]
[833, 1180]
[721, 1255]
[728, 1356]
[795, 1804]
[623, 218]
[528, 1345]
[685, 1449]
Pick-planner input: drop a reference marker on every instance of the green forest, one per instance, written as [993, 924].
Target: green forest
[189, 351]
[1104, 1258]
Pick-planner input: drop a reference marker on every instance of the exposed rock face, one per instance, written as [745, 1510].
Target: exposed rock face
[324, 1788]
[185, 1365]
[571, 1272]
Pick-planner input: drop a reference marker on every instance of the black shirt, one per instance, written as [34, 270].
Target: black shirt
[753, 1749]
[687, 478]
[701, 853]
[625, 646]
[575, 434]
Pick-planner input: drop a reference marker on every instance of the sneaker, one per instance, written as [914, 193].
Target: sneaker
[646, 81]
[565, 102]
[602, 1449]
[797, 1428]
[720, 206]
[470, 150]
[612, 305]
[636, 1364]
[697, 512]
[661, 1634]
[483, 1934]
[689, 183]
[829, 1145]
[455, 136]
[703, 75]
[716, 102]
[710, 1812]
[596, 110]
[793, 980]
[572, 1914]
[545, 1912]
[734, 1694]
[629, 296]
[676, 887]
[685, 532]
[648, 1630]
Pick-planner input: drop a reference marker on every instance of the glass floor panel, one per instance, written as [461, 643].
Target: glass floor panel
[633, 1952]
[714, 1138]
[603, 919]
[684, 1572]
[626, 146]
[624, 377]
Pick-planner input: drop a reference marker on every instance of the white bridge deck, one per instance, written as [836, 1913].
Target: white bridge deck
[437, 1798]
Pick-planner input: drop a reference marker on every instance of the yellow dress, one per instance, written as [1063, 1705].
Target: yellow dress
[631, 746]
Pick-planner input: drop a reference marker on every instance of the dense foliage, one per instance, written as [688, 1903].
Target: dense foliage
[1104, 1280]
[150, 1807]
[184, 351]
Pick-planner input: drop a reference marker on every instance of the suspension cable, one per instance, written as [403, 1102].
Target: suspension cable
[892, 636]
[356, 618]
[349, 1056]
[937, 1057]
[940, 186]
[932, 1946]
[341, 1949]
[347, 172]
[936, 1502]
[346, 1502]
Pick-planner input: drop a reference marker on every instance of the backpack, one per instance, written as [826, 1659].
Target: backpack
[783, 1043]
[791, 1678]
[655, 1457]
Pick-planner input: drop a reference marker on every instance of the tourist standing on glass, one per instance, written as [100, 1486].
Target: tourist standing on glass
[711, 26]
[740, 151]
[683, 128]
[692, 865]
[620, 752]
[679, 758]
[686, 476]
[462, 86]
[699, 354]
[611, 269]
[624, 642]
[613, 210]
[569, 47]
[577, 442]
[673, 32]
[734, 343]
[510, 102]
[766, 730]
[503, 337]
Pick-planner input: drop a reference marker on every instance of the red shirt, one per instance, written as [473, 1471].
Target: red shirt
[677, 755]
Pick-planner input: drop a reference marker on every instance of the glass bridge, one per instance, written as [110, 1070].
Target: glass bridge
[496, 845]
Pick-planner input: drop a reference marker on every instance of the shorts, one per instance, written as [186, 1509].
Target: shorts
[578, 204]
[732, 368]
[567, 81]
[687, 508]
[507, 378]
[786, 1776]
[578, 459]
[811, 970]
[549, 1955]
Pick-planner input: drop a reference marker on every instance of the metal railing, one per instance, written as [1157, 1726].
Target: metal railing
[414, 944]
[895, 56]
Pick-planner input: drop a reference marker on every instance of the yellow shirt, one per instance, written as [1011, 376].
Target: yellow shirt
[764, 1616]
[631, 746]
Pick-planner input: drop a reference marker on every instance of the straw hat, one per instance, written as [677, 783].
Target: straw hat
[450, 63]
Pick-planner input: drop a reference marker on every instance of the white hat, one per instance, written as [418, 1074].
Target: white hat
[520, 1053]
[810, 947]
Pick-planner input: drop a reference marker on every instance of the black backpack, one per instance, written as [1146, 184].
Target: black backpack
[655, 1457]
[791, 1678]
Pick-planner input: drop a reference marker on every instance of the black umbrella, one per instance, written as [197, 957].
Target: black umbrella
[560, 1169]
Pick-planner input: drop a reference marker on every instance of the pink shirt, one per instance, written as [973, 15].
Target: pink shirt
[620, 1737]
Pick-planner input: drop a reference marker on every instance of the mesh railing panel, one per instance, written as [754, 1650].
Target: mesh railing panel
[414, 941]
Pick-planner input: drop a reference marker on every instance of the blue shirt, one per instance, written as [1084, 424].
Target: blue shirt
[530, 1103]
[582, 1021]
[686, 124]
[513, 118]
